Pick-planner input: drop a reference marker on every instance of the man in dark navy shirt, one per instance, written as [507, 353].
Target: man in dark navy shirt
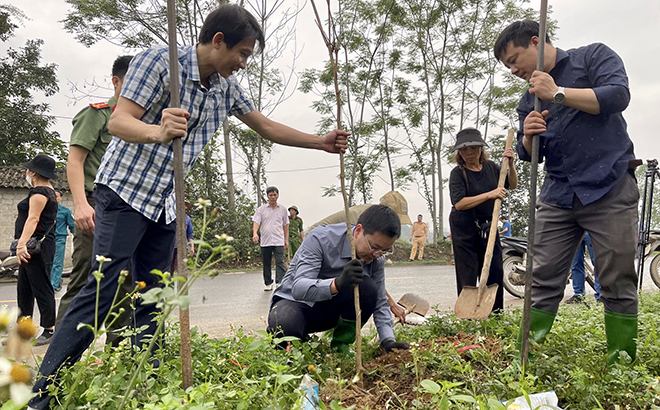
[589, 183]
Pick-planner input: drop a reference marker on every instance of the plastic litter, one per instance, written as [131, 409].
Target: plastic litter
[540, 401]
[311, 389]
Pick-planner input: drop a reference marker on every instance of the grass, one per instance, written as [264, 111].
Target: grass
[245, 371]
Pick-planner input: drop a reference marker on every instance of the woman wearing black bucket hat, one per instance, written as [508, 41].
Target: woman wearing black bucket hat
[36, 218]
[473, 190]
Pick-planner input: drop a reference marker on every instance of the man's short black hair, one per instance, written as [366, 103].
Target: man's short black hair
[380, 218]
[272, 189]
[235, 23]
[502, 217]
[120, 66]
[521, 33]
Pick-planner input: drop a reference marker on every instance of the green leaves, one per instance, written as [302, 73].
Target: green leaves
[25, 124]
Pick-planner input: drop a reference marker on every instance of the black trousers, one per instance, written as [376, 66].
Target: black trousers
[266, 259]
[291, 318]
[34, 282]
[469, 253]
[128, 238]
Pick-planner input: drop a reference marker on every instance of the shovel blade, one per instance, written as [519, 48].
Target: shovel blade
[414, 304]
[470, 306]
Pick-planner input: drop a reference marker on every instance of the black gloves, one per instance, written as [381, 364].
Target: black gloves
[388, 344]
[351, 275]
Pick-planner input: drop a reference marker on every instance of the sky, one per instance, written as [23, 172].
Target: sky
[631, 28]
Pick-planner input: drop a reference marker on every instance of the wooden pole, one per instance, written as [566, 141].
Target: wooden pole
[179, 192]
[330, 40]
[527, 309]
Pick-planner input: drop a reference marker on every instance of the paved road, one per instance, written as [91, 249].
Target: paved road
[238, 299]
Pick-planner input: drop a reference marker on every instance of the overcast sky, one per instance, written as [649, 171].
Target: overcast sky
[631, 28]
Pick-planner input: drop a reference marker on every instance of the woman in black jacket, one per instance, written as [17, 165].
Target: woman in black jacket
[473, 190]
[36, 218]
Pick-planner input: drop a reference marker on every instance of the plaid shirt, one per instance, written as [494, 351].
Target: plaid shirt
[143, 174]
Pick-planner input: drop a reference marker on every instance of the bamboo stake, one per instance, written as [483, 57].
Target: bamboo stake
[330, 40]
[184, 316]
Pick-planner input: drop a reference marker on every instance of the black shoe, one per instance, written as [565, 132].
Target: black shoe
[411, 260]
[45, 337]
[575, 299]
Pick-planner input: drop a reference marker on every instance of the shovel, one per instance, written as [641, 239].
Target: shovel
[477, 302]
[413, 304]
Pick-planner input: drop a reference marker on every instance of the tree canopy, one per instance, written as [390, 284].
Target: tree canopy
[24, 123]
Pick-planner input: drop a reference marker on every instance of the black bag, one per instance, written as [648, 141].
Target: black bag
[33, 245]
[484, 228]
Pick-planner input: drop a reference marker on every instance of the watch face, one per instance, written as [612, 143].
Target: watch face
[559, 98]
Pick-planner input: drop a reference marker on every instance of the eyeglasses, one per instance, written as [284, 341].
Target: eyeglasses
[377, 252]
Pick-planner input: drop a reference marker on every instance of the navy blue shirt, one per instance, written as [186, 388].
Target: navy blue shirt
[585, 155]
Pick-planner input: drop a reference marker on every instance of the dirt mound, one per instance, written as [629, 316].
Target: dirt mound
[390, 378]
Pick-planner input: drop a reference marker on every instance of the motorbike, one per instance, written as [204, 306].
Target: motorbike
[652, 246]
[8, 265]
[514, 252]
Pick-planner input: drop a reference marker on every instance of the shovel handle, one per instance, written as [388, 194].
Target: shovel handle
[485, 271]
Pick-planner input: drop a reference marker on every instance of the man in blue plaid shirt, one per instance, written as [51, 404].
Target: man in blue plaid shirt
[134, 192]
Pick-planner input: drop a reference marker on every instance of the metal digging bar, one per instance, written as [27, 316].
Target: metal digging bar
[524, 354]
[645, 221]
[184, 316]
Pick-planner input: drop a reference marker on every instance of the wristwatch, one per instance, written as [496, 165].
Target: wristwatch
[559, 96]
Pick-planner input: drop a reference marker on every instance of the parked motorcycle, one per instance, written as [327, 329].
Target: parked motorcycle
[652, 246]
[514, 251]
[8, 265]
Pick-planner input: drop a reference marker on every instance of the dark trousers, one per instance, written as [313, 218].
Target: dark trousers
[469, 252]
[128, 238]
[266, 259]
[612, 224]
[34, 282]
[83, 254]
[291, 318]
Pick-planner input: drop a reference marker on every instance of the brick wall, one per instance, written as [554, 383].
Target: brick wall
[9, 198]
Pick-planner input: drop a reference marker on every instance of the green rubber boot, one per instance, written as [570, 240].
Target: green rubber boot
[343, 335]
[621, 331]
[539, 326]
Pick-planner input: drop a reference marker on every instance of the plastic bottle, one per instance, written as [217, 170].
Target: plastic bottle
[537, 399]
[311, 389]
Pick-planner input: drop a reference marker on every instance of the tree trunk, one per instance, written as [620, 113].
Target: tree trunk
[231, 195]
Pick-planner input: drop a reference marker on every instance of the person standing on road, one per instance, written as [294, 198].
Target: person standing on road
[36, 218]
[89, 140]
[419, 235]
[274, 223]
[506, 227]
[135, 201]
[589, 183]
[317, 292]
[578, 271]
[473, 190]
[63, 226]
[296, 230]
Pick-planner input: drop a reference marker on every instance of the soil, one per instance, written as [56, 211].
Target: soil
[390, 377]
